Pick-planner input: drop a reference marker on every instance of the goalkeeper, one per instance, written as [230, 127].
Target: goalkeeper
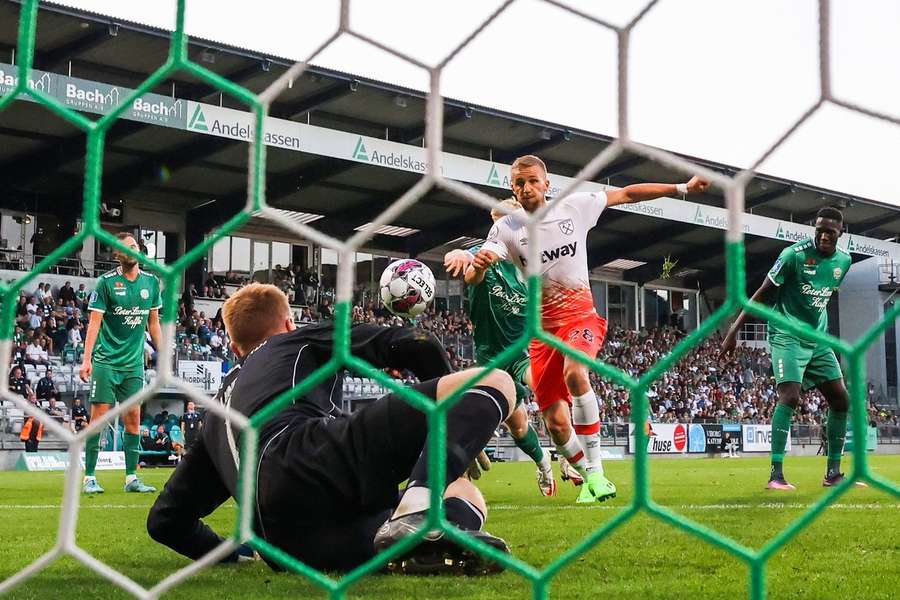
[327, 482]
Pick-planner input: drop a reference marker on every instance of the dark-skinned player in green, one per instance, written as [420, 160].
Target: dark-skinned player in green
[799, 286]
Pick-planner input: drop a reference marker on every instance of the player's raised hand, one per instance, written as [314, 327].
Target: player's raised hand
[456, 262]
[697, 185]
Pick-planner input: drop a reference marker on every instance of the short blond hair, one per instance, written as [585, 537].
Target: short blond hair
[510, 203]
[529, 160]
[253, 313]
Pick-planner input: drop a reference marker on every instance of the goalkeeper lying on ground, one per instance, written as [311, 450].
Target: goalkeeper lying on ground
[327, 482]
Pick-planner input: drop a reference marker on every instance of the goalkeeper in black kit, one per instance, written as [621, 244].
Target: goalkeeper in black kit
[328, 483]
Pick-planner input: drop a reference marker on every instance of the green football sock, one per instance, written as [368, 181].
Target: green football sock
[781, 429]
[521, 392]
[531, 445]
[132, 452]
[91, 453]
[836, 431]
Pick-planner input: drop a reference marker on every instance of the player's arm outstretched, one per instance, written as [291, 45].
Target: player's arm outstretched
[640, 192]
[762, 296]
[457, 261]
[390, 347]
[461, 262]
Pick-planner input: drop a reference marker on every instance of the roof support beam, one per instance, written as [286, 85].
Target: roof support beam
[620, 166]
[870, 225]
[636, 242]
[551, 140]
[761, 199]
[291, 109]
[52, 59]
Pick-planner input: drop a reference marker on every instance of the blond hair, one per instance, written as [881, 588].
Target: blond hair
[253, 313]
[529, 160]
[511, 203]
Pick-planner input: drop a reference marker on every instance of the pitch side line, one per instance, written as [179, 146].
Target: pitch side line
[713, 507]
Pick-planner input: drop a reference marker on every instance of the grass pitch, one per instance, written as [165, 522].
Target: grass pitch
[851, 551]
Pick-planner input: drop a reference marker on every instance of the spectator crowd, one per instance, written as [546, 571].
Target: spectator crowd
[701, 386]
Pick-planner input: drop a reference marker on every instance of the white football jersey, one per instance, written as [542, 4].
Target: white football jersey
[563, 238]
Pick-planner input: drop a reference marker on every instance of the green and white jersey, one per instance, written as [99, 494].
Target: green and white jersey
[497, 309]
[126, 306]
[806, 279]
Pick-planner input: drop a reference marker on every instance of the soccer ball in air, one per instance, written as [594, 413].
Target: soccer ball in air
[407, 287]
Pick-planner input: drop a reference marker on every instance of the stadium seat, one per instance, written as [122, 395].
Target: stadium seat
[176, 435]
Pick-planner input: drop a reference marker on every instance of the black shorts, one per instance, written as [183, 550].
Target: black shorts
[324, 486]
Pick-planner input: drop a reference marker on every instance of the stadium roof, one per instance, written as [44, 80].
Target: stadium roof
[42, 157]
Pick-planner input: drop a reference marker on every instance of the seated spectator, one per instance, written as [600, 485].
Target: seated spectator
[185, 350]
[22, 310]
[18, 384]
[47, 298]
[216, 343]
[66, 292]
[81, 296]
[161, 418]
[203, 331]
[20, 353]
[46, 387]
[57, 409]
[75, 334]
[59, 309]
[161, 440]
[203, 350]
[56, 329]
[35, 354]
[35, 317]
[79, 415]
[148, 444]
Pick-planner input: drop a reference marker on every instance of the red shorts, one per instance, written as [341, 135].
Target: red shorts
[585, 333]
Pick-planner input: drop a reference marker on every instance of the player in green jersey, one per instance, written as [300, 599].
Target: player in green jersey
[799, 286]
[124, 303]
[497, 309]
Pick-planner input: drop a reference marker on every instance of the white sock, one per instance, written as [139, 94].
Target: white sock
[574, 453]
[89, 478]
[415, 499]
[130, 478]
[586, 417]
[545, 463]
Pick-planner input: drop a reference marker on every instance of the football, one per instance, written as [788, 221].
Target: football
[407, 287]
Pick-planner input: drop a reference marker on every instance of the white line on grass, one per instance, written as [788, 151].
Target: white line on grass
[726, 507]
[763, 505]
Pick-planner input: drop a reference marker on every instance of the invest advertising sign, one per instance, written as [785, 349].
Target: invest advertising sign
[758, 438]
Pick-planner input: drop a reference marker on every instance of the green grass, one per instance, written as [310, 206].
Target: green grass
[851, 551]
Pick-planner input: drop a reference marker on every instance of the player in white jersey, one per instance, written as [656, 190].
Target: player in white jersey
[567, 307]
